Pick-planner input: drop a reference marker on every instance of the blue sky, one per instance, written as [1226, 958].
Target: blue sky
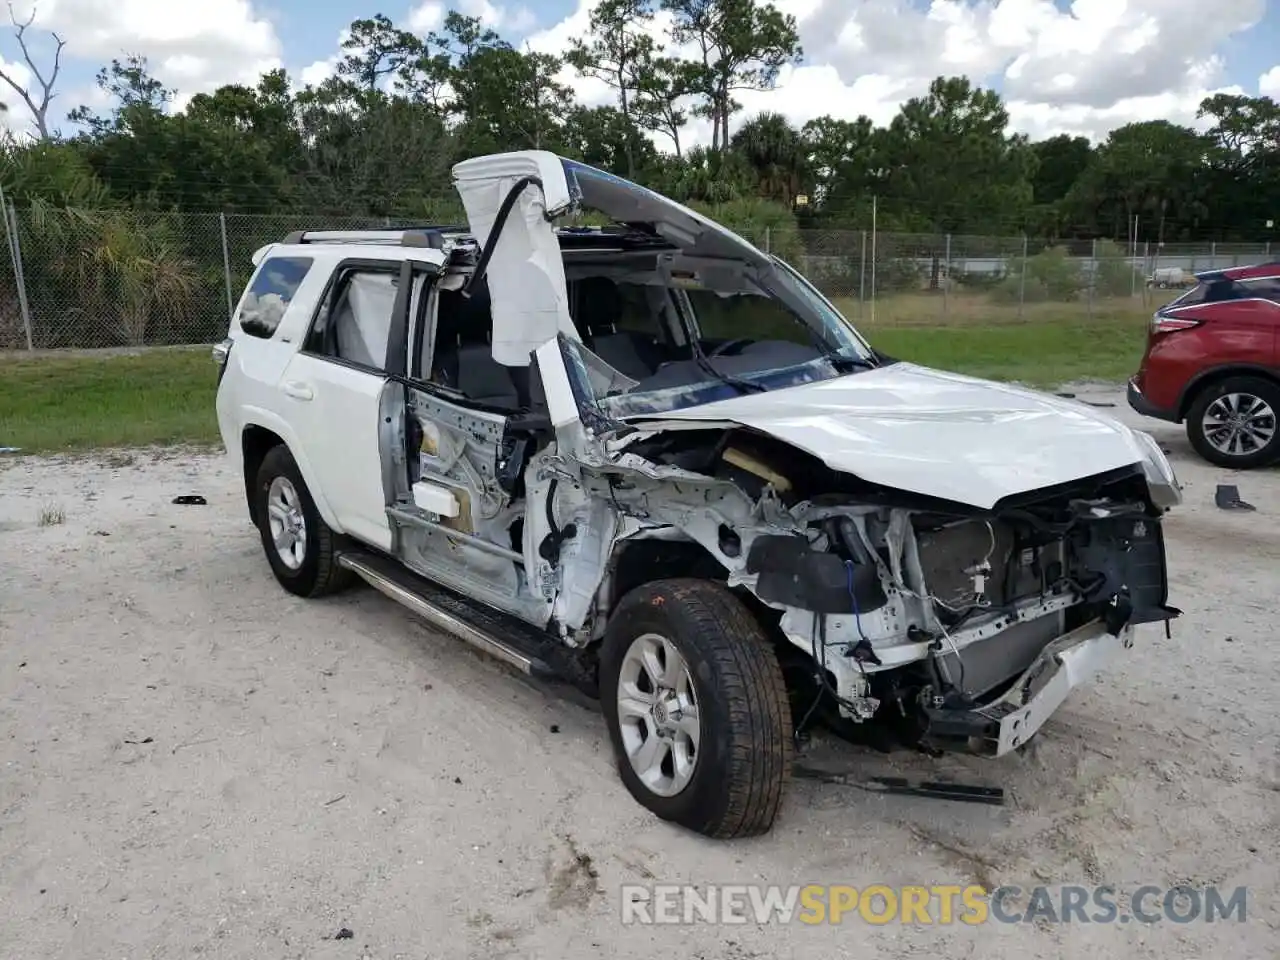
[1083, 67]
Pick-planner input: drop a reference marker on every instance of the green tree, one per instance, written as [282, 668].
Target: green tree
[843, 158]
[950, 164]
[663, 88]
[740, 44]
[1242, 182]
[776, 152]
[618, 52]
[604, 138]
[377, 51]
[1153, 170]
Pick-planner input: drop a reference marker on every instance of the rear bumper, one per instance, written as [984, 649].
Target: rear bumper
[1145, 407]
[1009, 722]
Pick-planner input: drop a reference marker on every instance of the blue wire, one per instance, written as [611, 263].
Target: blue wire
[853, 597]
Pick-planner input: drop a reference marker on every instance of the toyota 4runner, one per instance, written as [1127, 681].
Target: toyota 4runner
[654, 461]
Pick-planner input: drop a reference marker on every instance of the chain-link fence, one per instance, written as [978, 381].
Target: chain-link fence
[113, 278]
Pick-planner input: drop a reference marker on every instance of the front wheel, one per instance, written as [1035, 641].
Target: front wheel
[1232, 423]
[696, 708]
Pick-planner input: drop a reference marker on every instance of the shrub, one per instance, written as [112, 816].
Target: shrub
[1050, 275]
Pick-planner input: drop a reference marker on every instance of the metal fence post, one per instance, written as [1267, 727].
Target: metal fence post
[1148, 270]
[1213, 254]
[15, 254]
[873, 259]
[1022, 278]
[226, 267]
[946, 278]
[1093, 273]
[862, 272]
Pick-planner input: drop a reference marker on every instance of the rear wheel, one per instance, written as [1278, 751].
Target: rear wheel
[300, 546]
[696, 708]
[1232, 423]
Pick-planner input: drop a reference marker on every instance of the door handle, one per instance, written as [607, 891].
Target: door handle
[297, 390]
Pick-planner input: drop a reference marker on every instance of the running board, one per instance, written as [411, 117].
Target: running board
[500, 636]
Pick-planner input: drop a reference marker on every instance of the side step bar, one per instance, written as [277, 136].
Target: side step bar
[490, 631]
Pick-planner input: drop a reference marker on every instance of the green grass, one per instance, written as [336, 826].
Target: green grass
[78, 403]
[1042, 354]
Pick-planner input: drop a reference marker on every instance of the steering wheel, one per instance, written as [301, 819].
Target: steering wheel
[724, 347]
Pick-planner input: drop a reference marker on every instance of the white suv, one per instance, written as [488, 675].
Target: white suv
[654, 461]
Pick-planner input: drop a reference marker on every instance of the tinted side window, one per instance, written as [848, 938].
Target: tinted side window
[1215, 291]
[270, 294]
[1268, 289]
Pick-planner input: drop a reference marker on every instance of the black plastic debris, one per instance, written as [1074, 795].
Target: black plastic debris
[191, 500]
[344, 934]
[138, 743]
[1099, 403]
[1228, 498]
[1069, 396]
[966, 793]
[555, 728]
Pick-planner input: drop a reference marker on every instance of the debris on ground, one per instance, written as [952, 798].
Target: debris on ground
[1228, 498]
[191, 500]
[346, 933]
[138, 743]
[966, 793]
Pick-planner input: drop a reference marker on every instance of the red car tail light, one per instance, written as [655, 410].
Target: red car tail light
[1166, 324]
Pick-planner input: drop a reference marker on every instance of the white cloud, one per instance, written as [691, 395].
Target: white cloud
[194, 45]
[1269, 83]
[511, 21]
[317, 72]
[16, 116]
[426, 17]
[1086, 69]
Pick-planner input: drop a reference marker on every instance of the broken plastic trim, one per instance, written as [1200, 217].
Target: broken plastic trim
[504, 211]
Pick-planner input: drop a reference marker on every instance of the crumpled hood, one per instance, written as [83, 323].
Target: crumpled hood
[938, 434]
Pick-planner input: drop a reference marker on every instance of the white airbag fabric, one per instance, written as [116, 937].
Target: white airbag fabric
[525, 274]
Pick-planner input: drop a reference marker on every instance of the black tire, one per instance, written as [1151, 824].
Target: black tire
[743, 761]
[319, 573]
[1262, 389]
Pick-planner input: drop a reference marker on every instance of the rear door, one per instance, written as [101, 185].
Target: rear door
[338, 396]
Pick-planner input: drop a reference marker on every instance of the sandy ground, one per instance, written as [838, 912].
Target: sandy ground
[195, 763]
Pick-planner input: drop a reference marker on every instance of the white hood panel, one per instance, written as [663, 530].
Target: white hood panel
[933, 433]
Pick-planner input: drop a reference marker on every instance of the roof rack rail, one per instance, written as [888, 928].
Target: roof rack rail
[426, 235]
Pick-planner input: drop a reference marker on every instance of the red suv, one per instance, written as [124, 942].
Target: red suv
[1212, 361]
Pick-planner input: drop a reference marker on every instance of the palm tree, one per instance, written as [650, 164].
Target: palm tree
[776, 152]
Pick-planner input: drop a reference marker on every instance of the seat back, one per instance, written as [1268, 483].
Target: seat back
[599, 305]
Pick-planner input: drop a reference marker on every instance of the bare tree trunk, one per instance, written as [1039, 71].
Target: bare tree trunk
[39, 110]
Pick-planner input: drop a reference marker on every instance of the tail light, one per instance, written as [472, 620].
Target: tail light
[221, 353]
[1163, 323]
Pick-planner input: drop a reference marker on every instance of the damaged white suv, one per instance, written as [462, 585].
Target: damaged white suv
[655, 461]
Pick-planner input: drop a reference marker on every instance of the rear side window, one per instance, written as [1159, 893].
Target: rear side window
[1266, 289]
[1215, 291]
[270, 294]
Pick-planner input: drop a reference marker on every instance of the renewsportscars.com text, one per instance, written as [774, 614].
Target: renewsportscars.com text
[929, 905]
